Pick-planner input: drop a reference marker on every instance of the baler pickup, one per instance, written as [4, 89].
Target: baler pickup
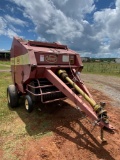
[47, 72]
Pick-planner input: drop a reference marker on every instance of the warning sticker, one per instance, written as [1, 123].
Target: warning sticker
[41, 58]
[65, 58]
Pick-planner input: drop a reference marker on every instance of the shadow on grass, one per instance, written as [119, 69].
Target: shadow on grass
[58, 119]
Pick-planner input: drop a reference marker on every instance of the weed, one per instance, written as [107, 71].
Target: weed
[102, 68]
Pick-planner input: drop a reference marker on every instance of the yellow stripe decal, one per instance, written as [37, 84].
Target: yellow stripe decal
[20, 60]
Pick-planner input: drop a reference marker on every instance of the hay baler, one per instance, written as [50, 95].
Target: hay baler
[47, 72]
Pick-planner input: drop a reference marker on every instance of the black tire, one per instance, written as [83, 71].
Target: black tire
[28, 103]
[12, 96]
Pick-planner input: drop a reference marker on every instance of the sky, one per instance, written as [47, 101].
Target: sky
[90, 27]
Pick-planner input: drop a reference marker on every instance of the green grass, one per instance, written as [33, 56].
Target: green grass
[5, 80]
[103, 68]
[5, 62]
[4, 67]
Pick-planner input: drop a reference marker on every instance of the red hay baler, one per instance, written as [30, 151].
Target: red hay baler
[47, 72]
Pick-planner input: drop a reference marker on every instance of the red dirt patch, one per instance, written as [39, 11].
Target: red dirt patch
[1, 153]
[73, 138]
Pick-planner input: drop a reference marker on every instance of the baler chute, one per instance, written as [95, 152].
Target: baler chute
[47, 72]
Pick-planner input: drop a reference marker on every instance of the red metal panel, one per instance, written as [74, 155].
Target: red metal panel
[51, 58]
[17, 48]
[47, 44]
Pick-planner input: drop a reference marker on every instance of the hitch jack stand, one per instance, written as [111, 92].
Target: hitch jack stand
[101, 137]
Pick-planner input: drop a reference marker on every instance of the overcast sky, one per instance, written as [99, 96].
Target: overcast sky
[91, 27]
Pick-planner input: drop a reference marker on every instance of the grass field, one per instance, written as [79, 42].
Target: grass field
[5, 62]
[104, 68]
[4, 65]
[5, 80]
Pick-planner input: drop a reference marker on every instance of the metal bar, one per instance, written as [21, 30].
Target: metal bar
[41, 86]
[42, 93]
[54, 100]
[101, 135]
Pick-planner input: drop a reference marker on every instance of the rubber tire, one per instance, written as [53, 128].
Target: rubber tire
[12, 96]
[29, 102]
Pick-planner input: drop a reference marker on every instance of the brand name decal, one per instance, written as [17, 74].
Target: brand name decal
[51, 58]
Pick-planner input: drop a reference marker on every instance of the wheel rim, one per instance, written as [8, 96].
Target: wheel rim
[26, 104]
[8, 97]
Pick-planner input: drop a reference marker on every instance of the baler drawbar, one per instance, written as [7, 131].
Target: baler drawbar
[47, 72]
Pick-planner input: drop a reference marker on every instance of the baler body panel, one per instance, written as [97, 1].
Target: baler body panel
[30, 58]
[47, 58]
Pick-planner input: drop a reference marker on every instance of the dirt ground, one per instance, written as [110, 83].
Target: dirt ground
[74, 140]
[73, 137]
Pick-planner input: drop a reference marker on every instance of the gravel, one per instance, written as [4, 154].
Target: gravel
[109, 85]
